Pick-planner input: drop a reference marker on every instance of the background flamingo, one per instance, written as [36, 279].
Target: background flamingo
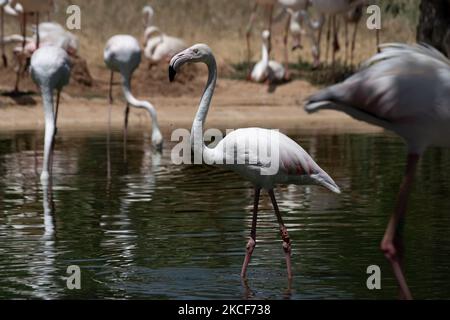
[159, 46]
[405, 89]
[295, 165]
[267, 69]
[50, 70]
[122, 54]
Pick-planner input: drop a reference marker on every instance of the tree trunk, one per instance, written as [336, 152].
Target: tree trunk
[434, 24]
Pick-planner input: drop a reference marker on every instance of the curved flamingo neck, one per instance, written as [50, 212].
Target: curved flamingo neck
[265, 52]
[197, 142]
[126, 87]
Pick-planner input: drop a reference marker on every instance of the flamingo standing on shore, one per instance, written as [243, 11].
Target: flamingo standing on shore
[404, 89]
[241, 151]
[348, 9]
[353, 16]
[122, 54]
[293, 25]
[23, 8]
[50, 70]
[301, 22]
[267, 69]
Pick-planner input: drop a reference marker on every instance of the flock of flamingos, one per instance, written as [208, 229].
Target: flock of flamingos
[402, 88]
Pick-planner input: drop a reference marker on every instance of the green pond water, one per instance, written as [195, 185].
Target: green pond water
[160, 231]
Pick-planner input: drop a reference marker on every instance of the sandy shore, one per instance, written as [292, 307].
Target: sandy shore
[236, 104]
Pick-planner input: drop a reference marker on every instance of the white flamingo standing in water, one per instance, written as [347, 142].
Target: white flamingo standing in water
[50, 70]
[267, 69]
[404, 89]
[122, 54]
[293, 165]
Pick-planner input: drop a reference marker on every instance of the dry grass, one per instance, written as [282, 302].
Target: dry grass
[220, 23]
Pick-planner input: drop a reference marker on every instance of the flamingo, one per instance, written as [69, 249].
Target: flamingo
[23, 8]
[267, 69]
[293, 25]
[122, 54]
[353, 16]
[333, 9]
[301, 18]
[295, 166]
[404, 89]
[159, 46]
[50, 70]
[50, 34]
[148, 14]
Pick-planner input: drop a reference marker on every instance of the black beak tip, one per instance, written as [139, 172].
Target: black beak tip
[172, 73]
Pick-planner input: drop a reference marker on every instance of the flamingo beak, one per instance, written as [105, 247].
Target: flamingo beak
[172, 73]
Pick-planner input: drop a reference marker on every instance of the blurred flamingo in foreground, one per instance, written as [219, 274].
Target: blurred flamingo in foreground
[405, 89]
[243, 148]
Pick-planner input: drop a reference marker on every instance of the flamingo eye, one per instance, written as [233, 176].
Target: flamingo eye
[195, 51]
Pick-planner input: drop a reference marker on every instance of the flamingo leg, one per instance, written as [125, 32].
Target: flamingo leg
[252, 241]
[391, 244]
[248, 34]
[284, 234]
[347, 43]
[2, 34]
[20, 56]
[336, 46]
[378, 40]
[270, 17]
[352, 54]
[24, 30]
[108, 136]
[38, 37]
[52, 150]
[110, 95]
[327, 48]
[285, 42]
[319, 39]
[125, 131]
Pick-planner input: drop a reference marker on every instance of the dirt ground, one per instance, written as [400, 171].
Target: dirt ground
[236, 103]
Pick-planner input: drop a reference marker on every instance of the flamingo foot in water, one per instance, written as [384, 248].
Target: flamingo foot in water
[287, 250]
[250, 248]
